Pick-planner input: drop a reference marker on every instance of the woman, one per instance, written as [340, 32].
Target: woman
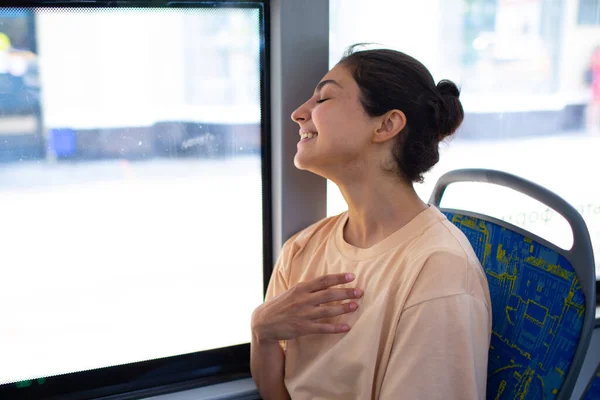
[386, 300]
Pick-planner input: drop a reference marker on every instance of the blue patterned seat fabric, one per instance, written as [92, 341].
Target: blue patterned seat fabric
[592, 392]
[537, 310]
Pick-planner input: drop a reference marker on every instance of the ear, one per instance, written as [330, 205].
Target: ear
[390, 125]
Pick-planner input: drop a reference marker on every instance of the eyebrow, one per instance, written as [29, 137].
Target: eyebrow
[325, 82]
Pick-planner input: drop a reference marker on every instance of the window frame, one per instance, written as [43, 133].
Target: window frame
[181, 372]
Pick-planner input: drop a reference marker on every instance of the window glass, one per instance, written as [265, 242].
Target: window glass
[130, 151]
[530, 78]
[589, 12]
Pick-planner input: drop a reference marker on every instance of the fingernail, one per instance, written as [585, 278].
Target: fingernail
[349, 277]
[356, 293]
[353, 306]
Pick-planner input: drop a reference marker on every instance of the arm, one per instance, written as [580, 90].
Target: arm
[290, 310]
[440, 351]
[295, 312]
[267, 359]
[267, 362]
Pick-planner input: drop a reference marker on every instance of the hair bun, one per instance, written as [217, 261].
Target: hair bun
[448, 113]
[448, 88]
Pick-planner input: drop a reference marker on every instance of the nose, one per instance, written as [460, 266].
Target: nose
[301, 114]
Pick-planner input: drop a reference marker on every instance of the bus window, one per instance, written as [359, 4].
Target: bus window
[130, 143]
[531, 107]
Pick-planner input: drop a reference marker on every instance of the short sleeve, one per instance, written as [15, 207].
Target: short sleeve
[277, 283]
[440, 351]
[441, 343]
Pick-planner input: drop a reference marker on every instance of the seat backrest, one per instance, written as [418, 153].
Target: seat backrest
[592, 391]
[543, 299]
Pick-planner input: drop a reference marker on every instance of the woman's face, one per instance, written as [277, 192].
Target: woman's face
[343, 129]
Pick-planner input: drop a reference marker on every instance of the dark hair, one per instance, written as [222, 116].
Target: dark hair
[388, 80]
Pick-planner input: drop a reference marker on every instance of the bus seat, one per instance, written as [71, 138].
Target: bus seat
[592, 391]
[543, 300]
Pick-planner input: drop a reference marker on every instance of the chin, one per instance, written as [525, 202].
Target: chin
[310, 166]
[301, 163]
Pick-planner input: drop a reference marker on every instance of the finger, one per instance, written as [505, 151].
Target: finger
[332, 311]
[331, 294]
[319, 327]
[328, 280]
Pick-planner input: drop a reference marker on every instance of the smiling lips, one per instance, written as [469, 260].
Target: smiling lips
[306, 135]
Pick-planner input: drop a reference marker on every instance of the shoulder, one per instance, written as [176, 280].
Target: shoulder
[449, 266]
[444, 236]
[316, 232]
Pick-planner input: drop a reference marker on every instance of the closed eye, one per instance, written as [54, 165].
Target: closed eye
[320, 101]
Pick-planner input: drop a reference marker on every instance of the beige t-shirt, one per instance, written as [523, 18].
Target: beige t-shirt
[423, 326]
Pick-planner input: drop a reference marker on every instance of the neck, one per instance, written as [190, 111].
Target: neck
[377, 208]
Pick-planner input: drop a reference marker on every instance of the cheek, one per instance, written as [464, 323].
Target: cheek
[336, 120]
[321, 118]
